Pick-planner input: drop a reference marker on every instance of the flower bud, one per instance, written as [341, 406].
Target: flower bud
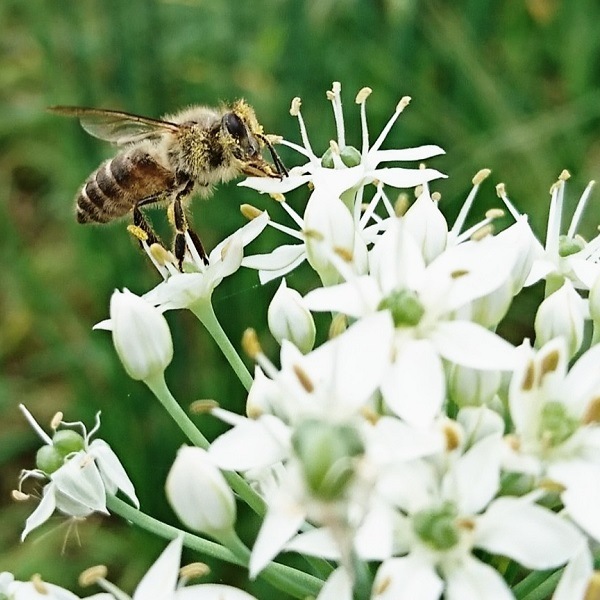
[472, 387]
[562, 313]
[199, 494]
[141, 335]
[289, 319]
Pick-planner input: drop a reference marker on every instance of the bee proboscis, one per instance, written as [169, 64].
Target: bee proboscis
[169, 160]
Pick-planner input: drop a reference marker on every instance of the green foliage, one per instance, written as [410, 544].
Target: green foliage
[513, 86]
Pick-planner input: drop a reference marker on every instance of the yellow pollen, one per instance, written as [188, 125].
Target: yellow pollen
[363, 94]
[303, 378]
[194, 570]
[480, 176]
[201, 407]
[250, 212]
[295, 107]
[404, 102]
[592, 412]
[529, 378]
[250, 343]
[501, 190]
[452, 434]
[137, 232]
[56, 420]
[593, 589]
[92, 575]
[171, 214]
[345, 254]
[550, 363]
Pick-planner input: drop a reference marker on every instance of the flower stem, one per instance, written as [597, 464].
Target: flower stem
[537, 585]
[239, 485]
[204, 311]
[282, 577]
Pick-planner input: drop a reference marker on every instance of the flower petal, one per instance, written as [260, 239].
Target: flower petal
[473, 580]
[406, 178]
[161, 579]
[42, 512]
[407, 578]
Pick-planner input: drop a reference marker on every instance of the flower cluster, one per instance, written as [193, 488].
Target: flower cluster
[413, 454]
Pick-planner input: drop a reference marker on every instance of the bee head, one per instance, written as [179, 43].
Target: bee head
[245, 144]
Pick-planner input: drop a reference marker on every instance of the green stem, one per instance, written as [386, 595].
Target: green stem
[239, 485]
[537, 580]
[284, 578]
[204, 311]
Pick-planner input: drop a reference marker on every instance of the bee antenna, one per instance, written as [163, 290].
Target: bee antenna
[281, 170]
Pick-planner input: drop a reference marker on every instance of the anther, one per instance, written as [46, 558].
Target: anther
[339, 324]
[480, 176]
[494, 213]
[19, 496]
[278, 197]
[404, 102]
[482, 232]
[194, 571]
[436, 196]
[56, 420]
[250, 212]
[401, 205]
[39, 585]
[303, 378]
[564, 175]
[295, 108]
[161, 255]
[201, 407]
[92, 575]
[452, 435]
[363, 94]
[250, 343]
[501, 190]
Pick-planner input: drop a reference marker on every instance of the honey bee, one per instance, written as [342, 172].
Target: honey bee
[169, 160]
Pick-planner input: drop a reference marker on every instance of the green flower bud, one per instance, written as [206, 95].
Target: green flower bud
[557, 425]
[326, 453]
[48, 459]
[349, 154]
[437, 527]
[67, 441]
[568, 246]
[405, 307]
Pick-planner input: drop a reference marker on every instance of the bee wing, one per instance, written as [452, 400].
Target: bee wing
[115, 126]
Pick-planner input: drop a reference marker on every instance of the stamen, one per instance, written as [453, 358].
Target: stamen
[466, 207]
[555, 216]
[494, 213]
[39, 585]
[250, 212]
[363, 94]
[278, 197]
[19, 496]
[436, 196]
[304, 379]
[501, 192]
[293, 214]
[480, 176]
[56, 420]
[335, 96]
[193, 571]
[399, 108]
[564, 175]
[295, 108]
[201, 407]
[579, 209]
[250, 343]
[382, 586]
[401, 205]
[482, 232]
[452, 435]
[161, 255]
[338, 325]
[92, 575]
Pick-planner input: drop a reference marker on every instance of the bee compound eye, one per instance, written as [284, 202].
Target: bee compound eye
[234, 125]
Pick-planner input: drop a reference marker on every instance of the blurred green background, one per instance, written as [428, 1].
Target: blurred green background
[511, 85]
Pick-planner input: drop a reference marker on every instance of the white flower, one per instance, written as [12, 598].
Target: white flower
[199, 494]
[334, 221]
[556, 436]
[163, 581]
[421, 300]
[577, 578]
[289, 319]
[80, 472]
[446, 517]
[140, 334]
[184, 290]
[564, 256]
[36, 589]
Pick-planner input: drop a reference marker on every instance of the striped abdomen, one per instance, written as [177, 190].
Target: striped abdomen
[119, 184]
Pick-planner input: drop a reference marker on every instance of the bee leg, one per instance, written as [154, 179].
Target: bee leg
[277, 162]
[181, 228]
[142, 223]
